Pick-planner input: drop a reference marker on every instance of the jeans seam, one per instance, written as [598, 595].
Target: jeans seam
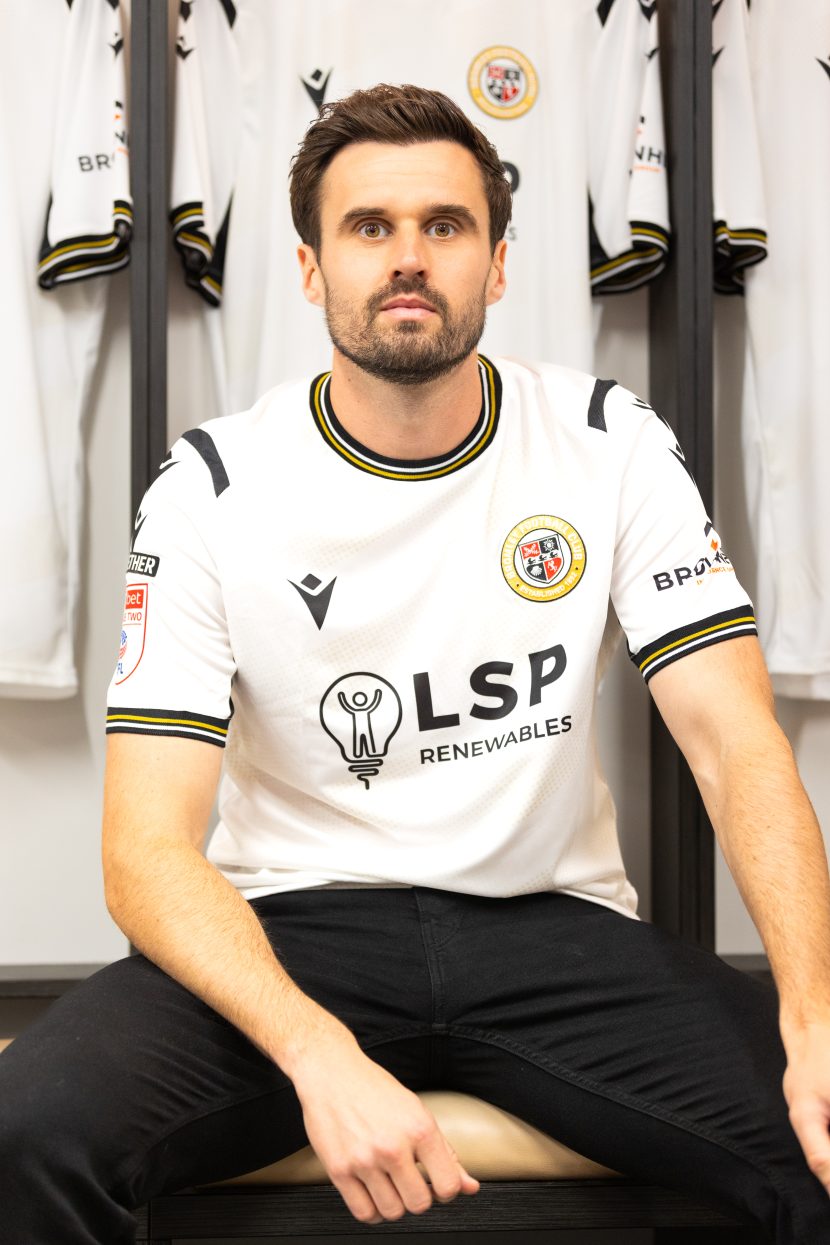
[625, 1099]
[391, 1036]
[191, 1119]
[435, 983]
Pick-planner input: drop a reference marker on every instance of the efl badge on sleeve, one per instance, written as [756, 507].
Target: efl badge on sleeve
[133, 631]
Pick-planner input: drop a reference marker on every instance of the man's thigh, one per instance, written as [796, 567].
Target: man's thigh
[636, 1049]
[142, 1088]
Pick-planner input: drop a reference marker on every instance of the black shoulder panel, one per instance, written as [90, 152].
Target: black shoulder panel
[202, 443]
[596, 407]
[603, 9]
[230, 11]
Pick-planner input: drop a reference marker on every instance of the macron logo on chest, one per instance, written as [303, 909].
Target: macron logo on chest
[317, 598]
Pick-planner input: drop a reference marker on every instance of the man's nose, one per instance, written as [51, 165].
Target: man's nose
[409, 257]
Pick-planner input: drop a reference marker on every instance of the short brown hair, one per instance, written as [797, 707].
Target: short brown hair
[390, 114]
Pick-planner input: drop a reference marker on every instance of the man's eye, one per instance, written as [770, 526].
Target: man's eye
[372, 229]
[442, 229]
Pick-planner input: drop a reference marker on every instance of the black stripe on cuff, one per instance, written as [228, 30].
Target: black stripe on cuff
[693, 636]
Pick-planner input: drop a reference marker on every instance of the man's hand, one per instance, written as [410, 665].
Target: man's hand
[807, 1091]
[370, 1132]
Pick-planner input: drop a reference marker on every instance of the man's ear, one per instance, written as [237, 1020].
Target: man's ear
[496, 279]
[313, 285]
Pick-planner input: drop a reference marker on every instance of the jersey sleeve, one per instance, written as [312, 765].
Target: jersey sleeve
[89, 217]
[628, 204]
[740, 234]
[673, 588]
[175, 667]
[205, 142]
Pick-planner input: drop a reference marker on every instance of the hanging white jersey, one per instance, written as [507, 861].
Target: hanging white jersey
[402, 656]
[568, 92]
[66, 215]
[205, 141]
[737, 185]
[786, 428]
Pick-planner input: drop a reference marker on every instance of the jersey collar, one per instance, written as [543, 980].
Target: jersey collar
[473, 445]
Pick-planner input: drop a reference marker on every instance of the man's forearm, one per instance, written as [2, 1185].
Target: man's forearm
[774, 848]
[179, 911]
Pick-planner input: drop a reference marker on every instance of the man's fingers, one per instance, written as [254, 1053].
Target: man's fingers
[357, 1199]
[469, 1184]
[385, 1195]
[413, 1189]
[810, 1124]
[446, 1175]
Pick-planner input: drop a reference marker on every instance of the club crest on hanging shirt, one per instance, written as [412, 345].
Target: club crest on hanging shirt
[543, 558]
[133, 631]
[503, 83]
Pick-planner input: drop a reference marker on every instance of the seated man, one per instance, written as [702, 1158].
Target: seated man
[415, 882]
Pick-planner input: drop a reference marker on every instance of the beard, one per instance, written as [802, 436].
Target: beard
[406, 352]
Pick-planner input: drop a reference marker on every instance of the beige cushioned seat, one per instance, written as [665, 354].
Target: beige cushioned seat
[492, 1144]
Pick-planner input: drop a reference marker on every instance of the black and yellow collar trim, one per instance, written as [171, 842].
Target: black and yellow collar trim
[473, 445]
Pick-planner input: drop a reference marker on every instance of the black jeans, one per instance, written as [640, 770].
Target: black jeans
[633, 1048]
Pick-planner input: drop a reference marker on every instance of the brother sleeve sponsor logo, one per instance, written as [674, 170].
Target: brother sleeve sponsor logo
[143, 564]
[681, 575]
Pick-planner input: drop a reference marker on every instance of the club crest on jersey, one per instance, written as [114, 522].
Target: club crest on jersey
[503, 83]
[543, 558]
[133, 631]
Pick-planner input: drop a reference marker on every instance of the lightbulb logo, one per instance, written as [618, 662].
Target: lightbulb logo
[361, 713]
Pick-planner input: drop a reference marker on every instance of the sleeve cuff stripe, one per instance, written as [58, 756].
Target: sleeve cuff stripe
[119, 729]
[758, 236]
[677, 644]
[77, 272]
[169, 717]
[729, 634]
[653, 232]
[635, 258]
[186, 211]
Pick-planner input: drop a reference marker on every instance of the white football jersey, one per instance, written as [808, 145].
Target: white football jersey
[64, 203]
[786, 430]
[402, 656]
[737, 184]
[568, 92]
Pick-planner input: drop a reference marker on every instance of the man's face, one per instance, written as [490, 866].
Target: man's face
[405, 269]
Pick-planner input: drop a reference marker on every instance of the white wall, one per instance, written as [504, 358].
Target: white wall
[806, 723]
[51, 752]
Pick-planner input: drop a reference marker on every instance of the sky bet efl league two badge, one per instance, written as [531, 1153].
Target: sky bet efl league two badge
[543, 558]
[133, 631]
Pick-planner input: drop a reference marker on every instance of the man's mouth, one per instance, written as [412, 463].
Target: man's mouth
[408, 308]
